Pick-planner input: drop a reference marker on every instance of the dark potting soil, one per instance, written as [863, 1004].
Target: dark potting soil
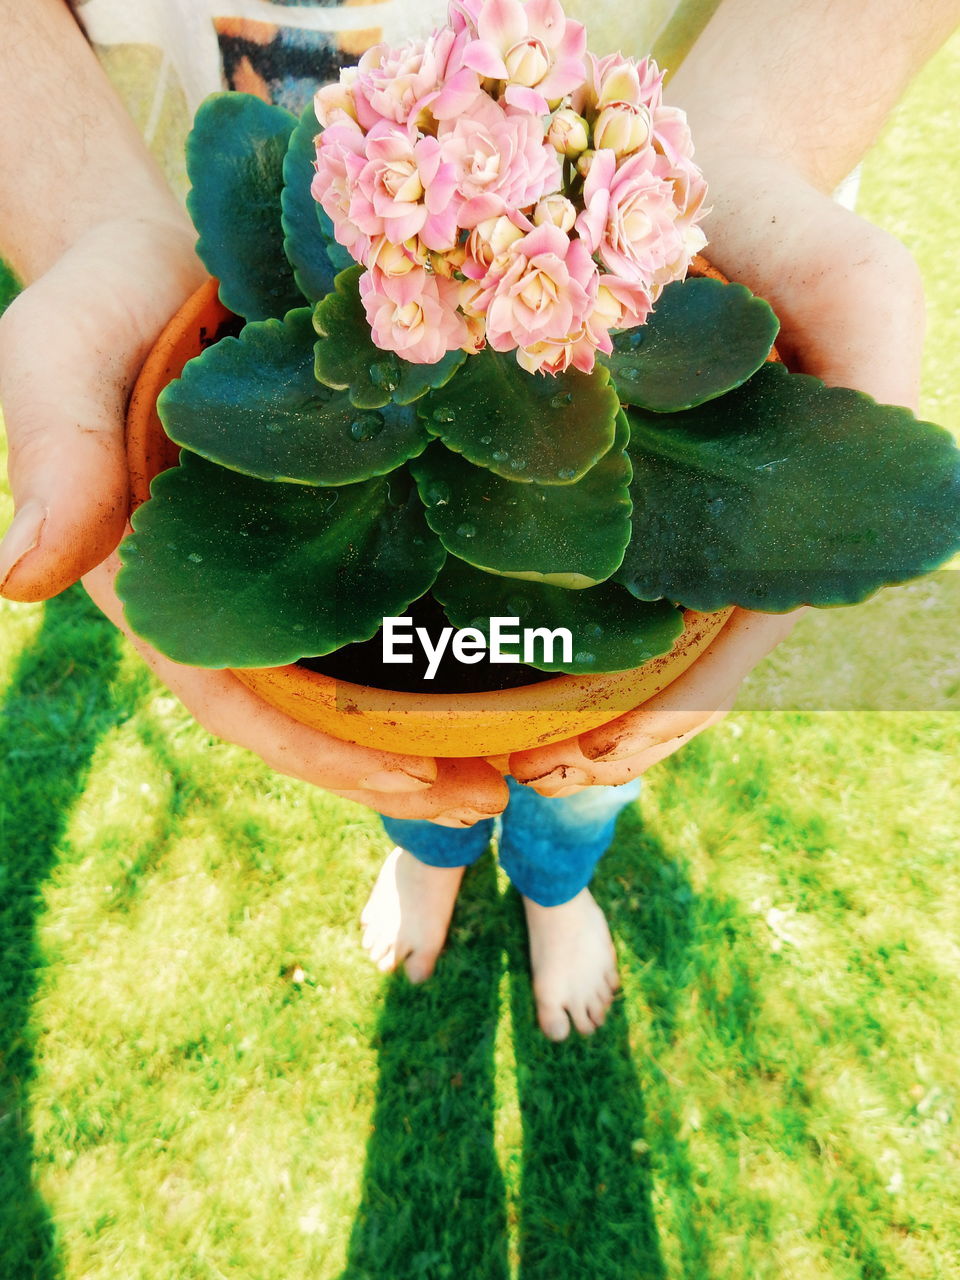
[363, 663]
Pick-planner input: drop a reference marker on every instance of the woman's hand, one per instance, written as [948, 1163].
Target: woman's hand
[70, 347]
[851, 309]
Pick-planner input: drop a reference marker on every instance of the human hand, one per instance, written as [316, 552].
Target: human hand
[626, 747]
[851, 308]
[453, 793]
[70, 347]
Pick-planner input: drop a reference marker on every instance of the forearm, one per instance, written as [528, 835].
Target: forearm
[73, 156]
[809, 82]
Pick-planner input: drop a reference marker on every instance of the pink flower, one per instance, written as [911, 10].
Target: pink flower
[630, 218]
[488, 249]
[616, 79]
[334, 103]
[414, 83]
[619, 305]
[340, 159]
[500, 160]
[462, 15]
[545, 293]
[576, 349]
[404, 189]
[532, 46]
[414, 315]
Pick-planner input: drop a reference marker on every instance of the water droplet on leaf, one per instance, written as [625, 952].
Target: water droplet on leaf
[566, 473]
[499, 455]
[584, 659]
[438, 493]
[366, 426]
[443, 413]
[561, 400]
[466, 531]
[195, 558]
[385, 374]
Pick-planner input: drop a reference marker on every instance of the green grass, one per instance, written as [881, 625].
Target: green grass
[202, 1077]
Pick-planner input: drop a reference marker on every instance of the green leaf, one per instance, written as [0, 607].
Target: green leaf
[308, 230]
[525, 426]
[610, 630]
[787, 492]
[703, 339]
[224, 570]
[570, 535]
[348, 360]
[252, 404]
[235, 162]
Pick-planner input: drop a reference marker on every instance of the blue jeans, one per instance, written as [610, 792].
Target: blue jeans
[548, 848]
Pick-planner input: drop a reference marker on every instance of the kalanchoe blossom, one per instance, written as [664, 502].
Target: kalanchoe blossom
[334, 103]
[500, 161]
[411, 85]
[568, 133]
[397, 259]
[405, 189]
[622, 128]
[339, 161]
[557, 210]
[630, 218]
[545, 293]
[501, 187]
[533, 47]
[616, 79]
[463, 15]
[490, 245]
[414, 315]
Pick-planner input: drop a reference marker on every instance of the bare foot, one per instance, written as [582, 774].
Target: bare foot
[408, 914]
[574, 965]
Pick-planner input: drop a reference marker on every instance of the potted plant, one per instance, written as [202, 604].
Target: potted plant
[470, 380]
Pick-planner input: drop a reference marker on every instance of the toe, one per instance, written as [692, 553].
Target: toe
[420, 965]
[597, 1010]
[554, 1022]
[581, 1019]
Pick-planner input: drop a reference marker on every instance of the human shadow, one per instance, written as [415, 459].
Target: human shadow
[56, 709]
[594, 1126]
[585, 1198]
[433, 1200]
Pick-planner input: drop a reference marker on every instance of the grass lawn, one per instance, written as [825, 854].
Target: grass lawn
[203, 1078]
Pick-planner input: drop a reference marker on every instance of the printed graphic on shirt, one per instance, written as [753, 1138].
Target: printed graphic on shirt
[284, 64]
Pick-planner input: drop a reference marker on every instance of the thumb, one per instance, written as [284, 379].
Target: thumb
[70, 347]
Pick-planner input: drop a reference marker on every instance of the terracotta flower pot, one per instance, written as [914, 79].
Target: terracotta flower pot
[451, 725]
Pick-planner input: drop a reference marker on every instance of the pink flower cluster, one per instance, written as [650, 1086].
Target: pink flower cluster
[501, 185]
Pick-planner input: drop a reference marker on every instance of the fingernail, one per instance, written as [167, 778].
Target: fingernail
[21, 538]
[394, 783]
[623, 750]
[565, 775]
[459, 818]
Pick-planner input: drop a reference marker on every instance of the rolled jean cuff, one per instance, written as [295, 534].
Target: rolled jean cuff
[441, 846]
[550, 848]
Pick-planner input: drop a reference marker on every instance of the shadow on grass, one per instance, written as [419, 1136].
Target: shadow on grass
[433, 1203]
[57, 707]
